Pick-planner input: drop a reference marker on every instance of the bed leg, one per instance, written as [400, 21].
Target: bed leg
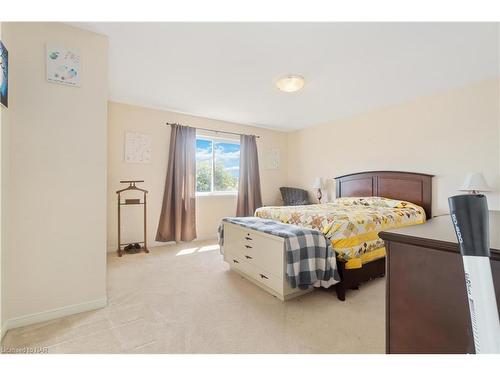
[339, 288]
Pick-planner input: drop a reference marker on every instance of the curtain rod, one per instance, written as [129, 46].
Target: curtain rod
[211, 130]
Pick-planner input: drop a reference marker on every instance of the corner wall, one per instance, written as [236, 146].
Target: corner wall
[4, 196]
[447, 134]
[54, 259]
[1, 213]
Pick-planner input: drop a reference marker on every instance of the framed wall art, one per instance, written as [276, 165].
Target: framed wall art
[4, 75]
[63, 66]
[137, 148]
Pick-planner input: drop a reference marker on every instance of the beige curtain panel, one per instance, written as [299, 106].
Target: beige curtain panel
[177, 219]
[249, 196]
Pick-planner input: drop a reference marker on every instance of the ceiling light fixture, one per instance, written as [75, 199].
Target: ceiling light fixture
[290, 83]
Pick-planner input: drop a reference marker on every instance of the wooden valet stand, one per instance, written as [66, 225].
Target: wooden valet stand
[129, 202]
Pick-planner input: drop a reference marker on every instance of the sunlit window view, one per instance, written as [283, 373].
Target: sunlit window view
[217, 165]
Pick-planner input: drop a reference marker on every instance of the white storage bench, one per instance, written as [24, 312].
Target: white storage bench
[260, 258]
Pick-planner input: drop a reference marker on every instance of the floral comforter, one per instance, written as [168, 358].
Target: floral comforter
[351, 224]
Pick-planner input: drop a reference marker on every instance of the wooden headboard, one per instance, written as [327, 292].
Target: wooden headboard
[406, 186]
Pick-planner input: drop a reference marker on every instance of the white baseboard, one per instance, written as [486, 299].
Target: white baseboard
[60, 312]
[208, 237]
[112, 249]
[3, 330]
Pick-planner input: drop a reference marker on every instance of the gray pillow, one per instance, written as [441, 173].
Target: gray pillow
[294, 196]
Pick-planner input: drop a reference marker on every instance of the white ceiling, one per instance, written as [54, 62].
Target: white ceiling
[227, 71]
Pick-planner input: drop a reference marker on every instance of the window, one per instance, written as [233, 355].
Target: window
[217, 165]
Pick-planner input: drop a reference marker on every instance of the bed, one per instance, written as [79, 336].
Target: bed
[366, 203]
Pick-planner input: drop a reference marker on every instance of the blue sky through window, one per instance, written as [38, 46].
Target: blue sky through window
[229, 155]
[225, 159]
[203, 149]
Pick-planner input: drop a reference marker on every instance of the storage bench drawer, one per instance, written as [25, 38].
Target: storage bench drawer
[260, 250]
[260, 258]
[259, 275]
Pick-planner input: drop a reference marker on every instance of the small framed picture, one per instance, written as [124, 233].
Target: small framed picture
[137, 148]
[4, 75]
[63, 66]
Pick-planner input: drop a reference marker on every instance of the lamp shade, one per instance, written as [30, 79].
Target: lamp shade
[318, 183]
[475, 182]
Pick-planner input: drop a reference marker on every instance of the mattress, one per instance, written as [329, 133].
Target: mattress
[351, 224]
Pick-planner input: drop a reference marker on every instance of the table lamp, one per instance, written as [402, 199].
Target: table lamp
[475, 183]
[318, 184]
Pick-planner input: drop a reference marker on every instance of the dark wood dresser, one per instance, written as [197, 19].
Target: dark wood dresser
[427, 309]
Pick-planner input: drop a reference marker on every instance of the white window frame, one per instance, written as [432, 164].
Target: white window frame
[213, 193]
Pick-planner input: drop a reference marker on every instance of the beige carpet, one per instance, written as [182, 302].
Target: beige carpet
[184, 299]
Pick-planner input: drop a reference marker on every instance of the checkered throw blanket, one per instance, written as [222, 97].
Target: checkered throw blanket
[309, 255]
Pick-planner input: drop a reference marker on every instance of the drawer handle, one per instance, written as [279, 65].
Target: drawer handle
[263, 276]
[248, 257]
[248, 238]
[235, 261]
[248, 246]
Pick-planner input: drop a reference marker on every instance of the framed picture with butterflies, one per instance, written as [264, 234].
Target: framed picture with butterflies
[63, 66]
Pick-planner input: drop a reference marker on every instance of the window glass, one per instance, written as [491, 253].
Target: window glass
[227, 166]
[204, 157]
[217, 165]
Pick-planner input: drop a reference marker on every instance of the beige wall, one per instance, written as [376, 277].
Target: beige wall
[55, 254]
[4, 201]
[124, 118]
[447, 134]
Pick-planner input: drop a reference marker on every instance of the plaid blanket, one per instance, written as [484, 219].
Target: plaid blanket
[310, 258]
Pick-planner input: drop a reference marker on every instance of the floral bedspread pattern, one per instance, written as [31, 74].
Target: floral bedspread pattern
[351, 224]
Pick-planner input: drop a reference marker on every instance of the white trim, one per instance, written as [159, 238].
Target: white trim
[212, 135]
[205, 238]
[3, 331]
[217, 194]
[59, 312]
[112, 249]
